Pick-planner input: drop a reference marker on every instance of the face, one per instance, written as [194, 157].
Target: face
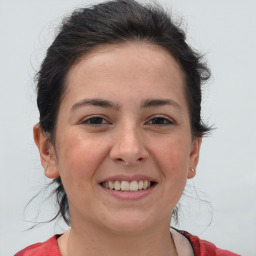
[123, 122]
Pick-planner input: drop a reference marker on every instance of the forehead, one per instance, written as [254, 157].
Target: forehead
[133, 66]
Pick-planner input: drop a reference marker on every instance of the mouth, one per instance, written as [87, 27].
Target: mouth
[128, 186]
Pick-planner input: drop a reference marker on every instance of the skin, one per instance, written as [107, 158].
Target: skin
[129, 139]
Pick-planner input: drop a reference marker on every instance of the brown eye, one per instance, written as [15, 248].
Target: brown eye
[95, 120]
[160, 121]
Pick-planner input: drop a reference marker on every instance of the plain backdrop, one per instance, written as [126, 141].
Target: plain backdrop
[226, 177]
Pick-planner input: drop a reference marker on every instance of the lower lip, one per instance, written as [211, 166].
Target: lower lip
[123, 195]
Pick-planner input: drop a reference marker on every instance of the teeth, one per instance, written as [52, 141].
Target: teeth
[145, 184]
[126, 185]
[141, 184]
[110, 184]
[134, 186]
[117, 185]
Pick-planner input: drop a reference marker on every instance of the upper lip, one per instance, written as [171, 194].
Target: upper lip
[121, 177]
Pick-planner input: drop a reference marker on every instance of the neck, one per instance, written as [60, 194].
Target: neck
[98, 242]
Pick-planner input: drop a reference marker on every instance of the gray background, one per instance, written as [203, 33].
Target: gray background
[226, 176]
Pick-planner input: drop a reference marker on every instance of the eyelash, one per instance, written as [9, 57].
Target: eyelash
[94, 121]
[167, 121]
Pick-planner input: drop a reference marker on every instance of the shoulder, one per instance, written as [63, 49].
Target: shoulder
[202, 247]
[49, 248]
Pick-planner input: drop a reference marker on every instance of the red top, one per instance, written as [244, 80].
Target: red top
[200, 248]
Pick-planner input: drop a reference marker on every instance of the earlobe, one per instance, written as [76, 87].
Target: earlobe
[194, 157]
[47, 154]
[191, 173]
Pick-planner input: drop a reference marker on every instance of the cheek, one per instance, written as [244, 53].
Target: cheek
[175, 151]
[173, 156]
[79, 156]
[78, 159]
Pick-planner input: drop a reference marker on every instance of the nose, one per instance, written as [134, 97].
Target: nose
[129, 146]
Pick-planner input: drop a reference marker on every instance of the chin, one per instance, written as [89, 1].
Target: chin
[130, 223]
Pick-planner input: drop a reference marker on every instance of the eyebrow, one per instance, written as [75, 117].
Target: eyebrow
[108, 104]
[95, 102]
[159, 102]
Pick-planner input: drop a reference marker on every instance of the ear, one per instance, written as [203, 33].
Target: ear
[194, 157]
[47, 153]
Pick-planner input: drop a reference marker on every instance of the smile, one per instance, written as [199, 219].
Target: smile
[126, 186]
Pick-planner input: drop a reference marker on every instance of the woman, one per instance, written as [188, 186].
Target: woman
[119, 96]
